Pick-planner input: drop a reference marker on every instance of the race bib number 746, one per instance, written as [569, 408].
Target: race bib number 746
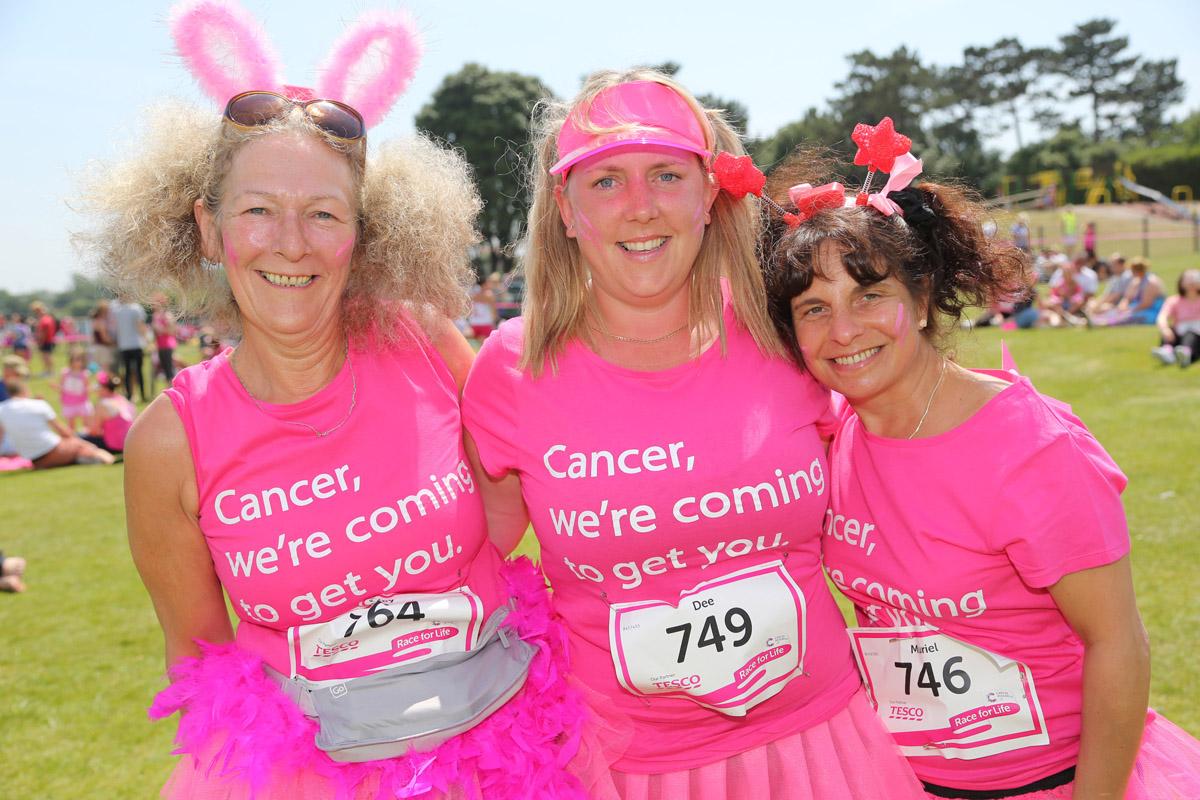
[727, 644]
[942, 696]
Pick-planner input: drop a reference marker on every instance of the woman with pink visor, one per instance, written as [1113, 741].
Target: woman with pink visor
[641, 415]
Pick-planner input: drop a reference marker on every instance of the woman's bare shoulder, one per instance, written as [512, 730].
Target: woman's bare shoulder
[158, 457]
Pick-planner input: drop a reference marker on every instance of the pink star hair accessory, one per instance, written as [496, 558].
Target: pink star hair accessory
[878, 147]
[738, 176]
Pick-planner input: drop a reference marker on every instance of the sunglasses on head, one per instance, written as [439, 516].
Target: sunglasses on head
[252, 109]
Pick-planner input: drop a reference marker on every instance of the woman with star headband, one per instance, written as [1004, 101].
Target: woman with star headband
[315, 473]
[999, 637]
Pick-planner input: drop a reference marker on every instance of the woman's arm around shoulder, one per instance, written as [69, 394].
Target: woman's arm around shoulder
[454, 349]
[1099, 605]
[169, 551]
[507, 516]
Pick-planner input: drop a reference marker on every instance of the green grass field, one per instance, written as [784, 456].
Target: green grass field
[82, 655]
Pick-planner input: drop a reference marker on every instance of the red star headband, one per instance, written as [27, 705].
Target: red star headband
[880, 149]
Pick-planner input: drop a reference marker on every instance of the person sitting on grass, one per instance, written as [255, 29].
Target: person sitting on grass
[12, 570]
[1114, 288]
[1179, 322]
[38, 434]
[1142, 301]
[1067, 297]
[114, 415]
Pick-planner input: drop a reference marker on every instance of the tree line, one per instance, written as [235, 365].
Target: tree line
[1087, 101]
[1119, 120]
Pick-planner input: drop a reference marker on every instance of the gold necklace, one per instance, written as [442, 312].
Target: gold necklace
[320, 434]
[929, 402]
[636, 340]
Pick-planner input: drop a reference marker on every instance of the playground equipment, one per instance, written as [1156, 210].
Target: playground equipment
[1172, 208]
[1018, 200]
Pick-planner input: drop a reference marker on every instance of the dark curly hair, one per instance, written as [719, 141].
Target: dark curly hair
[936, 249]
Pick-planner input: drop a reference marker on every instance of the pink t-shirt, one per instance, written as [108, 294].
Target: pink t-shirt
[963, 532]
[644, 485]
[1181, 309]
[304, 529]
[163, 338]
[73, 385]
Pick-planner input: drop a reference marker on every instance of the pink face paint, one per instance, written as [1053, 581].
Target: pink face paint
[584, 228]
[344, 249]
[698, 219]
[898, 328]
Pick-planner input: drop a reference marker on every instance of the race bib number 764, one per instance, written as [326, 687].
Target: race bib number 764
[402, 629]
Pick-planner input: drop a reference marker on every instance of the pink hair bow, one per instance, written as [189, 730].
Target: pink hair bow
[809, 199]
[904, 170]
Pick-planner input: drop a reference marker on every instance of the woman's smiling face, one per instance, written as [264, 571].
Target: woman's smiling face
[285, 232]
[857, 340]
[639, 217]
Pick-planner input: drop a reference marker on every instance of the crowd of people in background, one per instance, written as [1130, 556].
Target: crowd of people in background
[117, 355]
[495, 297]
[91, 408]
[1080, 289]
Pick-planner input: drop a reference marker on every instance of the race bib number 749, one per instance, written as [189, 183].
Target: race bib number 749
[727, 644]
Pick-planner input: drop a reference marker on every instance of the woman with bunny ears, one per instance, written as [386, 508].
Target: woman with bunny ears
[316, 473]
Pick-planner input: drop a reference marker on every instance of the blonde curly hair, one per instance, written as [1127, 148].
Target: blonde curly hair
[416, 210]
[556, 294]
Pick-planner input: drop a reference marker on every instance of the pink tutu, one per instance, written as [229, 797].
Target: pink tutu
[1167, 767]
[848, 757]
[242, 739]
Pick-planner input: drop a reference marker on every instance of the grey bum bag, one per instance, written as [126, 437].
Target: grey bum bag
[415, 706]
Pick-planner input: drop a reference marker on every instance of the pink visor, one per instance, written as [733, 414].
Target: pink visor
[643, 112]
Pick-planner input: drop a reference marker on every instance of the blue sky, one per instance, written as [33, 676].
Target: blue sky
[78, 76]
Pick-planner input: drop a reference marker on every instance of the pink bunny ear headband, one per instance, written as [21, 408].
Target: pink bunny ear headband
[228, 53]
[880, 149]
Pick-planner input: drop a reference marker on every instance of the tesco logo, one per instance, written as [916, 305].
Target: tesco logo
[679, 683]
[321, 651]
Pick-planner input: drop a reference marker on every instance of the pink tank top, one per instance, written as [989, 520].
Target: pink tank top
[114, 429]
[74, 387]
[306, 529]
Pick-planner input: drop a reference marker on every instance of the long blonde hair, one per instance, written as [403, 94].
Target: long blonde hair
[556, 281]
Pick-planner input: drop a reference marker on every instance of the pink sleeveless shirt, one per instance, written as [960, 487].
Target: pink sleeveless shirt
[115, 429]
[305, 529]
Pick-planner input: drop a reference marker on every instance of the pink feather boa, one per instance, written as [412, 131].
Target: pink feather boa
[246, 728]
